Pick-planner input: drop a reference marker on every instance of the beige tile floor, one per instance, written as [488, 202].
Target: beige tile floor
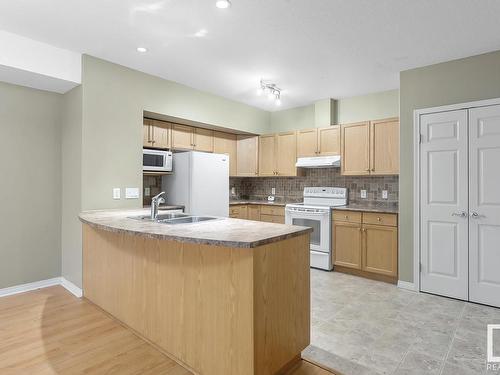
[360, 326]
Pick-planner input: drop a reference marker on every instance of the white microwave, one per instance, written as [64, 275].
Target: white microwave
[156, 160]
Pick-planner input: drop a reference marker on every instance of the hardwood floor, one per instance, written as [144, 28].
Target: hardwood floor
[49, 331]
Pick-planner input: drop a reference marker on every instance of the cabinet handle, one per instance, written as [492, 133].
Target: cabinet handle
[373, 169]
[346, 217]
[379, 219]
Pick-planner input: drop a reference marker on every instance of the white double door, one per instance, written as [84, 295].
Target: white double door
[460, 204]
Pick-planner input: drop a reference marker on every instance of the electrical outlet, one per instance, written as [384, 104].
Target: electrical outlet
[233, 190]
[273, 191]
[384, 194]
[363, 194]
[116, 193]
[147, 192]
[131, 193]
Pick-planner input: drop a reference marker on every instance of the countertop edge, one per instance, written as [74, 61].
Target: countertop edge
[222, 243]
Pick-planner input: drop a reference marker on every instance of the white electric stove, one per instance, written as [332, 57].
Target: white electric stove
[316, 212]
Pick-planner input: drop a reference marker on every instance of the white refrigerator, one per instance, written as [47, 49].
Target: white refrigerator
[200, 182]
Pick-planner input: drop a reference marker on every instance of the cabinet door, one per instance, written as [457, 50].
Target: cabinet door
[267, 155]
[307, 143]
[182, 137]
[225, 143]
[272, 219]
[355, 145]
[380, 249]
[161, 134]
[243, 214]
[203, 140]
[253, 212]
[286, 154]
[384, 147]
[329, 140]
[147, 140]
[347, 244]
[247, 158]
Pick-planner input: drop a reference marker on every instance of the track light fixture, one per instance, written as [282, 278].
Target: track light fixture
[272, 91]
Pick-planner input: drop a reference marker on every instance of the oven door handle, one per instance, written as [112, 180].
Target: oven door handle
[308, 212]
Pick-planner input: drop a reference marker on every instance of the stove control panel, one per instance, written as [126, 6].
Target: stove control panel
[325, 192]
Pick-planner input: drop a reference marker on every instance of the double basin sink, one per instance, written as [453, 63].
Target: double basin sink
[174, 218]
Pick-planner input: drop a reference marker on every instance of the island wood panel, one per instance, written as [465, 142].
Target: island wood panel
[207, 306]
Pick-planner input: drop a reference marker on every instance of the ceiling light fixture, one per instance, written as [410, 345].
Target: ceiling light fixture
[222, 4]
[142, 49]
[272, 91]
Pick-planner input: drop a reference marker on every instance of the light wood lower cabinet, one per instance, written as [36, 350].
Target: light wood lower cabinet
[347, 251]
[366, 243]
[266, 213]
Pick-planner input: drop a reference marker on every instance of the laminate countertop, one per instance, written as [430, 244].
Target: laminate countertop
[225, 232]
[389, 208]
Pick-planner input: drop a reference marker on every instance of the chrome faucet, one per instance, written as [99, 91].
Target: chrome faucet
[155, 202]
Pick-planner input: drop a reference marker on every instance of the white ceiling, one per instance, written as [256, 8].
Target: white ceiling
[313, 49]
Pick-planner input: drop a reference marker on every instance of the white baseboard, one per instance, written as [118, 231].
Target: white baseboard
[407, 285]
[29, 286]
[72, 288]
[68, 285]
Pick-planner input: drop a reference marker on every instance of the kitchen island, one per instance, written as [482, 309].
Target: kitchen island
[224, 296]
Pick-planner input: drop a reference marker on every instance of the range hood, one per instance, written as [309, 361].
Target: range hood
[319, 162]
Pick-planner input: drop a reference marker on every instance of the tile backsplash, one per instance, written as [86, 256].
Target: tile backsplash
[291, 188]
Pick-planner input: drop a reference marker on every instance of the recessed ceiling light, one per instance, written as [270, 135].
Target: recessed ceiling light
[142, 49]
[222, 4]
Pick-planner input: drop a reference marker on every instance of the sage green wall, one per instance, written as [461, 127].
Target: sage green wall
[458, 81]
[71, 165]
[358, 108]
[114, 98]
[374, 106]
[292, 119]
[30, 188]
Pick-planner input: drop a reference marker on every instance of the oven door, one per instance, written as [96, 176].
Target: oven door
[318, 220]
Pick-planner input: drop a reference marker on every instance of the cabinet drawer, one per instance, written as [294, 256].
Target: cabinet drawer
[349, 216]
[380, 219]
[235, 210]
[270, 210]
[272, 219]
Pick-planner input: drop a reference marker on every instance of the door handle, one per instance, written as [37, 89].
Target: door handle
[459, 214]
[474, 215]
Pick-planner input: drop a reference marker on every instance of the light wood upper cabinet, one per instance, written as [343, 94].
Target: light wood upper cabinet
[307, 143]
[329, 141]
[247, 159]
[355, 149]
[225, 143]
[146, 133]
[156, 134]
[182, 137]
[347, 244]
[318, 141]
[384, 144]
[161, 134]
[286, 155]
[277, 154]
[380, 249]
[267, 155]
[203, 139]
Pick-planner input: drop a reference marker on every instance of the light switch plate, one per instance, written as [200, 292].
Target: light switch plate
[131, 193]
[363, 194]
[116, 193]
[147, 192]
[384, 194]
[273, 191]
